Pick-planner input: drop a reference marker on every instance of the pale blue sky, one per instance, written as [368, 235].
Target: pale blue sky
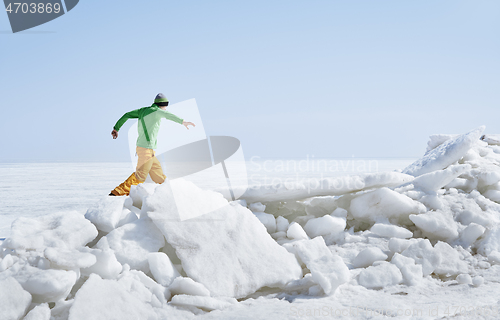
[288, 78]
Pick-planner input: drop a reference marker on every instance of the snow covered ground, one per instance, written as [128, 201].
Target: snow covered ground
[419, 243]
[29, 189]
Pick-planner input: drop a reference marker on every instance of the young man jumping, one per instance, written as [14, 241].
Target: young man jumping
[148, 126]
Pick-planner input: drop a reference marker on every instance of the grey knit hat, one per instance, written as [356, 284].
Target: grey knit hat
[160, 97]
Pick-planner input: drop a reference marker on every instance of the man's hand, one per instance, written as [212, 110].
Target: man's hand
[114, 133]
[186, 124]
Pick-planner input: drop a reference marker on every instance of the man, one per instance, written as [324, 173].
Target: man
[148, 126]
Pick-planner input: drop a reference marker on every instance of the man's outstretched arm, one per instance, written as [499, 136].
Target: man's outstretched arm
[129, 115]
[186, 124]
[170, 116]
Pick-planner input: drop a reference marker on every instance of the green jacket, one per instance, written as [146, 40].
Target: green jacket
[151, 118]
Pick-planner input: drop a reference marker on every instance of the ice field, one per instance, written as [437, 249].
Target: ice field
[56, 187]
[346, 241]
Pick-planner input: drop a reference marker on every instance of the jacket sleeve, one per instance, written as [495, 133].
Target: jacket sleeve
[171, 116]
[129, 115]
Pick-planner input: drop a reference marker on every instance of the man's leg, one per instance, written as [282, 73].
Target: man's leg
[156, 172]
[144, 163]
[124, 188]
[139, 176]
[149, 164]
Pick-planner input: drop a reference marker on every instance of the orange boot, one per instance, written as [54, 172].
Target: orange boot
[124, 188]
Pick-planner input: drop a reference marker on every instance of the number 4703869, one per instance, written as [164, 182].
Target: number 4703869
[19, 7]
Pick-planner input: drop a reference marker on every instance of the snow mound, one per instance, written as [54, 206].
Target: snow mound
[14, 300]
[445, 154]
[324, 226]
[384, 203]
[188, 286]
[107, 299]
[267, 220]
[70, 259]
[436, 225]
[61, 230]
[44, 285]
[451, 263]
[321, 187]
[133, 242]
[175, 250]
[411, 272]
[106, 266]
[464, 279]
[327, 270]
[40, 312]
[438, 139]
[162, 268]
[368, 256]
[383, 275]
[296, 232]
[390, 231]
[109, 213]
[490, 242]
[435, 180]
[424, 254]
[230, 263]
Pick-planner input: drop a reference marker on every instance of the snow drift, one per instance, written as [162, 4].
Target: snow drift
[134, 257]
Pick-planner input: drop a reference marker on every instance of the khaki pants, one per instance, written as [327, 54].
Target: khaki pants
[147, 164]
